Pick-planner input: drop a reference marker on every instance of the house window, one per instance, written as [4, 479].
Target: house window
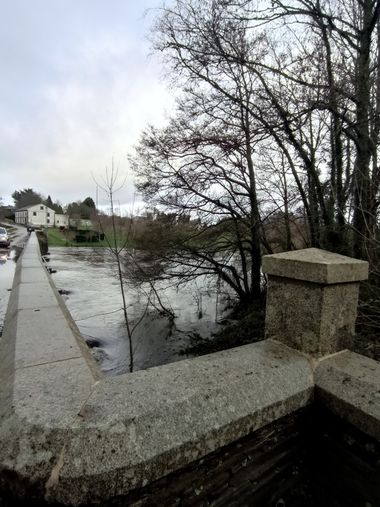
[34, 213]
[41, 207]
[47, 221]
[48, 214]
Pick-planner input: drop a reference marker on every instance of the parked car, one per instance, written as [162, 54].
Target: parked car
[4, 239]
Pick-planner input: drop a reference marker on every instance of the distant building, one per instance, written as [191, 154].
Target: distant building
[61, 221]
[40, 215]
[35, 215]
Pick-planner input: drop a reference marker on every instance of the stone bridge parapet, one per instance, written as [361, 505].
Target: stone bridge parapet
[69, 436]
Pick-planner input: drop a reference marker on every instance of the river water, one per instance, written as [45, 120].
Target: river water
[88, 281]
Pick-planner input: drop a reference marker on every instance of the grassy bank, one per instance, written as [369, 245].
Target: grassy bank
[58, 237]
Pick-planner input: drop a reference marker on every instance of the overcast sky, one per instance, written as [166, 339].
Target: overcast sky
[78, 84]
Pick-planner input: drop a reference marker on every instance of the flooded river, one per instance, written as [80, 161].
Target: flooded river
[87, 278]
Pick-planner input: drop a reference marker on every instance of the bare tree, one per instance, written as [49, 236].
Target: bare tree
[118, 235]
[202, 166]
[314, 65]
[110, 186]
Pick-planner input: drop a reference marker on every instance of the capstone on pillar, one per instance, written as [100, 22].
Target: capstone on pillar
[312, 299]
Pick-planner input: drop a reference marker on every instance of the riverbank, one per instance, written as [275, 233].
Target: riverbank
[243, 326]
[90, 238]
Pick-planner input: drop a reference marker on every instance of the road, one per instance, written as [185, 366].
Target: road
[8, 257]
[17, 233]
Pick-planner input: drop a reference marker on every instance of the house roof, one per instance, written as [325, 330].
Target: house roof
[26, 208]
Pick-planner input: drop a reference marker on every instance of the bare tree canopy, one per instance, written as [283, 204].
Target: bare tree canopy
[278, 111]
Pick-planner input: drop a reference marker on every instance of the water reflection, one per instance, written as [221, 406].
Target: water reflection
[8, 259]
[4, 256]
[88, 282]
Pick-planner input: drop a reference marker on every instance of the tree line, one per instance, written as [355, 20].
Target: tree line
[77, 209]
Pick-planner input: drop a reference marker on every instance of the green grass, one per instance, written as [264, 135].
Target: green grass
[57, 237]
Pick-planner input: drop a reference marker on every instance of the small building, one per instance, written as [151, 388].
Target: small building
[61, 221]
[35, 215]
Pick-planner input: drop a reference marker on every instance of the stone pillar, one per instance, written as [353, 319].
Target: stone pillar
[312, 299]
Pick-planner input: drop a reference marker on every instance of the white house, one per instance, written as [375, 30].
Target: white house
[36, 215]
[61, 221]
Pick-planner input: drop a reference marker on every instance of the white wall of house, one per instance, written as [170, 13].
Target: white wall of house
[21, 216]
[61, 220]
[35, 215]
